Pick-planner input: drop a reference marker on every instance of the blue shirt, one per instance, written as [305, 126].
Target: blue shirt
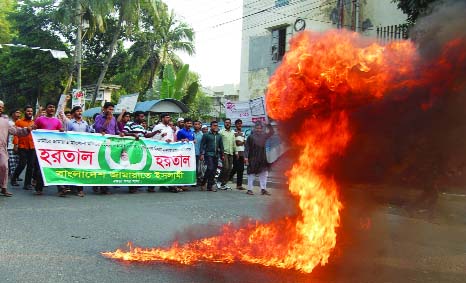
[197, 145]
[185, 134]
[75, 126]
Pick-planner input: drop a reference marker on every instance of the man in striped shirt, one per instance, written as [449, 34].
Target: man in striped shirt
[137, 130]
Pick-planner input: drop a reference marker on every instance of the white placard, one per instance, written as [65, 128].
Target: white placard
[127, 102]
[249, 112]
[78, 98]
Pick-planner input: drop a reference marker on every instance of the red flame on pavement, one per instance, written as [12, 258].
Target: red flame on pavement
[322, 78]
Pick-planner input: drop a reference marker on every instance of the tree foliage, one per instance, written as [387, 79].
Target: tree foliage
[30, 74]
[6, 8]
[415, 8]
[130, 43]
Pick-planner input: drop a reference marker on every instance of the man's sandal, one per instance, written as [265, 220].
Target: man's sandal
[6, 193]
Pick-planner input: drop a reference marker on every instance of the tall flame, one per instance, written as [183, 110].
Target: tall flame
[322, 76]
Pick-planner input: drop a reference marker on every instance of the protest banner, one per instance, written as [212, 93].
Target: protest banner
[250, 112]
[74, 158]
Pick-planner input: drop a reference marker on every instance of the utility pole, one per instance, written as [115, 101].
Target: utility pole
[341, 14]
[79, 32]
[356, 15]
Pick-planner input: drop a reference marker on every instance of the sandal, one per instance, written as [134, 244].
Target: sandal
[265, 193]
[240, 188]
[249, 192]
[6, 193]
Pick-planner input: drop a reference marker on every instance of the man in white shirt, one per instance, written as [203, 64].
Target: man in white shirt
[238, 158]
[165, 132]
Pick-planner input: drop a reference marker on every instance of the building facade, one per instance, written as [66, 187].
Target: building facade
[268, 25]
[218, 95]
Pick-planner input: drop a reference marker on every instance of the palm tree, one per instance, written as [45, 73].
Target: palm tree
[74, 13]
[156, 45]
[129, 12]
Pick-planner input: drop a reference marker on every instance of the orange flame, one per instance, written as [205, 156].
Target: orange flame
[322, 75]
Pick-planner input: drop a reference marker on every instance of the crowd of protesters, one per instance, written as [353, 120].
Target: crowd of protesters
[229, 146]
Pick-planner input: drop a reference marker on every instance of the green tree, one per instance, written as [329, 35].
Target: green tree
[415, 8]
[129, 12]
[156, 45]
[6, 8]
[201, 107]
[30, 74]
[173, 82]
[72, 14]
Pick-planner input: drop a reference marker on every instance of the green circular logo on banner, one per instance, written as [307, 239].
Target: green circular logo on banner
[124, 154]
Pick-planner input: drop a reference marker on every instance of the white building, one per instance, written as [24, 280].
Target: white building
[219, 95]
[104, 94]
[268, 25]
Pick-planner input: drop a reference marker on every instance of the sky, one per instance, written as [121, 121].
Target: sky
[217, 42]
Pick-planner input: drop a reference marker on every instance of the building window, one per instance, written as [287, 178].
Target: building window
[281, 3]
[278, 44]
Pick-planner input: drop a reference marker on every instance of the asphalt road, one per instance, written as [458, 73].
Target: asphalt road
[51, 239]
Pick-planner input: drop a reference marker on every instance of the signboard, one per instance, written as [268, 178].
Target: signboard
[78, 98]
[85, 159]
[250, 112]
[127, 102]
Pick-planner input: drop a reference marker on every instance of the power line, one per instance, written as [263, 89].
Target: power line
[263, 10]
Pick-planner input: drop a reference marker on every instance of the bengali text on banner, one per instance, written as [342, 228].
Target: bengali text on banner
[72, 158]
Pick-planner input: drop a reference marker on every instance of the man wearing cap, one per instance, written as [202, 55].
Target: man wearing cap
[179, 125]
[204, 129]
[5, 129]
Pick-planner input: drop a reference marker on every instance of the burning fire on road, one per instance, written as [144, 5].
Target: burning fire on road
[322, 84]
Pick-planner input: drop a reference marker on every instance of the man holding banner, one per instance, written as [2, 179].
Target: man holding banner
[105, 123]
[47, 122]
[76, 124]
[136, 130]
[5, 129]
[85, 159]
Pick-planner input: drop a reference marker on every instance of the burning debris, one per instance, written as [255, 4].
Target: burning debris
[358, 111]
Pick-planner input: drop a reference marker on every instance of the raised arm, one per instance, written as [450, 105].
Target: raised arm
[38, 113]
[120, 117]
